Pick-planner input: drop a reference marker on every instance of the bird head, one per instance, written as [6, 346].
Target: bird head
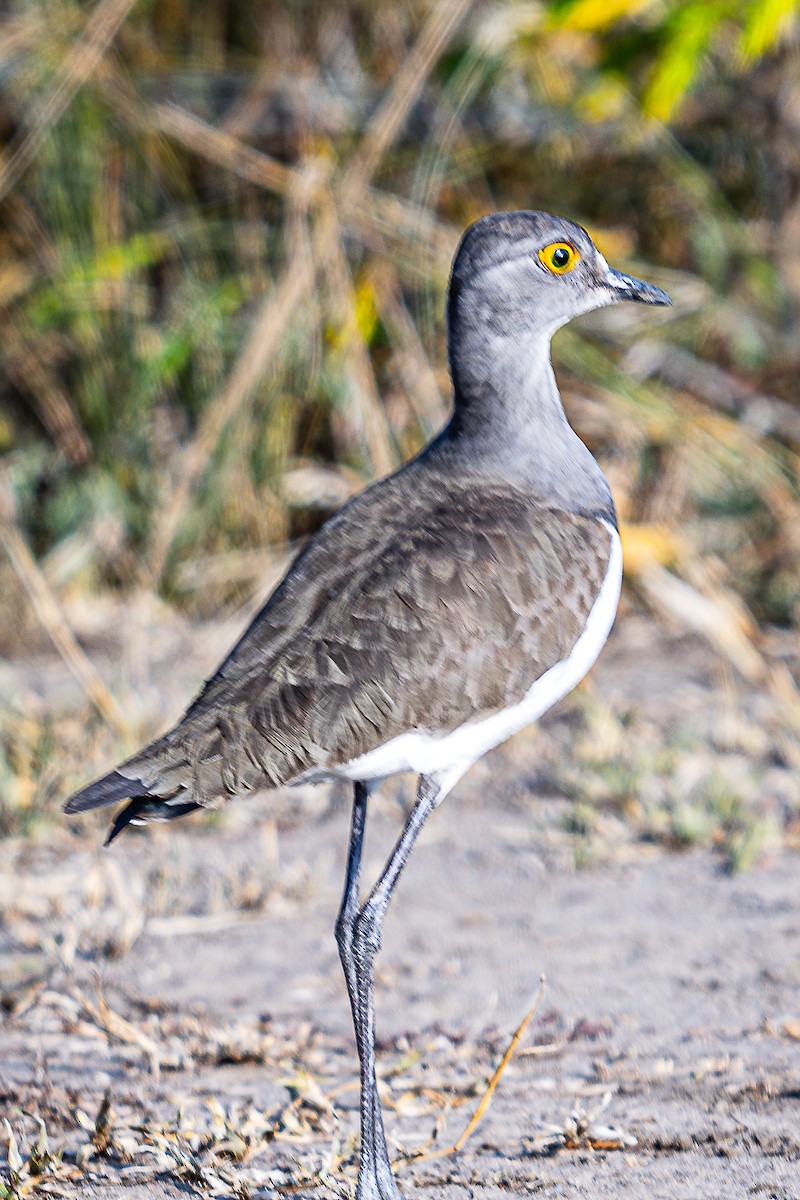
[524, 272]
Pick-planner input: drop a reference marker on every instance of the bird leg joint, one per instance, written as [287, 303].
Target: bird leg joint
[367, 930]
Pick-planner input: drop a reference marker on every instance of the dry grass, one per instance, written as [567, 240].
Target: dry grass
[240, 1149]
[215, 1146]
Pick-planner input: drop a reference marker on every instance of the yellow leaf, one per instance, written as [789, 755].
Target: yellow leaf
[366, 312]
[613, 242]
[643, 545]
[587, 16]
[361, 319]
[605, 100]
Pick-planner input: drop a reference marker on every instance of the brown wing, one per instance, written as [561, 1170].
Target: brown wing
[409, 610]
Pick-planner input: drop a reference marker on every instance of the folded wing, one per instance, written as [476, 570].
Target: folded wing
[410, 610]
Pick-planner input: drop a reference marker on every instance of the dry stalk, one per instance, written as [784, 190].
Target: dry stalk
[721, 389]
[718, 615]
[277, 312]
[20, 34]
[404, 223]
[491, 1087]
[30, 373]
[401, 96]
[79, 63]
[118, 1027]
[374, 210]
[365, 414]
[261, 347]
[48, 610]
[419, 378]
[226, 150]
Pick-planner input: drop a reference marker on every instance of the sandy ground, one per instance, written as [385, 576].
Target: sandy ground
[671, 1016]
[670, 984]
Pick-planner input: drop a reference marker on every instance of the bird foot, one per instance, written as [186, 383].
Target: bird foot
[374, 1191]
[376, 1186]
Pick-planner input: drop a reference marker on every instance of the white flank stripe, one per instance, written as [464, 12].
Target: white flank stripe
[453, 753]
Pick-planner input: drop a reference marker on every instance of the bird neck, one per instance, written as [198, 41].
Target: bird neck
[508, 421]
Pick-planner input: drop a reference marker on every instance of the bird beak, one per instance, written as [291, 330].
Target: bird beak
[625, 287]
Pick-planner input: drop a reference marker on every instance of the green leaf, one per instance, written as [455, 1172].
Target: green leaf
[767, 22]
[682, 59]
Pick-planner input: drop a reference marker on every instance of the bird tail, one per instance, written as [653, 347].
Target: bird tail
[143, 806]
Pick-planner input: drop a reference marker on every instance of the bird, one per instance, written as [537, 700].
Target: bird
[437, 613]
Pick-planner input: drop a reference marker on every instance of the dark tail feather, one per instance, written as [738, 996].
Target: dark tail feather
[143, 809]
[108, 790]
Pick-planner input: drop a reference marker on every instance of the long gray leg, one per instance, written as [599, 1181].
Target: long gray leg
[348, 911]
[372, 1132]
[359, 936]
[345, 926]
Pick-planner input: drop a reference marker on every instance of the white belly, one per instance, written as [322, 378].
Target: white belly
[453, 753]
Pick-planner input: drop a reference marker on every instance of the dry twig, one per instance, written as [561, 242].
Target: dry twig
[118, 1027]
[82, 59]
[491, 1087]
[48, 610]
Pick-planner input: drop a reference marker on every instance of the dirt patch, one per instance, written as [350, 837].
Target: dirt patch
[671, 985]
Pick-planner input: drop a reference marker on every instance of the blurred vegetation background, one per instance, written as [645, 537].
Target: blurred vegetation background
[225, 232]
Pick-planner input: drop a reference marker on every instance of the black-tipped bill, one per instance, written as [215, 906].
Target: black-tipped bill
[626, 287]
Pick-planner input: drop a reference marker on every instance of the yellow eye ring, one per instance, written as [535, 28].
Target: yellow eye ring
[559, 257]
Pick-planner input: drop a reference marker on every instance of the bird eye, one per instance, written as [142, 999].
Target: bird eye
[559, 257]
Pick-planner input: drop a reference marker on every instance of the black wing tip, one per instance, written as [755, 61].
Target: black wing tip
[124, 817]
[143, 809]
[107, 790]
[142, 806]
